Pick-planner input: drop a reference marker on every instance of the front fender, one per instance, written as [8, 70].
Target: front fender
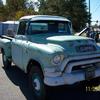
[41, 56]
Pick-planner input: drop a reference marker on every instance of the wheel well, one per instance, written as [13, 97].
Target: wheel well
[33, 62]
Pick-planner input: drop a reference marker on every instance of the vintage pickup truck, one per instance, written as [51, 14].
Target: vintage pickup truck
[50, 54]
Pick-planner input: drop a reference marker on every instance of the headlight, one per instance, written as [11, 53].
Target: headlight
[57, 59]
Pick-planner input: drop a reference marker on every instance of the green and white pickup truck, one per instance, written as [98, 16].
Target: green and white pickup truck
[45, 48]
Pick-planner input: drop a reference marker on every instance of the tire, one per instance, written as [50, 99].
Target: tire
[6, 62]
[36, 83]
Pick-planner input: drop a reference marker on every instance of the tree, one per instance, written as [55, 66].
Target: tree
[1, 10]
[52, 7]
[42, 6]
[12, 6]
[74, 9]
[18, 8]
[78, 12]
[15, 5]
[21, 13]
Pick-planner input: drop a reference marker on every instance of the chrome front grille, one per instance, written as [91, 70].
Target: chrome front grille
[84, 67]
[77, 63]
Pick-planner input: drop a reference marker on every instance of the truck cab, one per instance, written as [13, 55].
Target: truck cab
[46, 49]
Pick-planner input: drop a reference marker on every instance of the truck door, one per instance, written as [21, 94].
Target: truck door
[17, 45]
[25, 52]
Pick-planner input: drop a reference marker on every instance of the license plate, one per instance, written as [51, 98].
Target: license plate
[89, 73]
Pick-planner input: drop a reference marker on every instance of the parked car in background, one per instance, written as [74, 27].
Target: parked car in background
[90, 32]
[8, 28]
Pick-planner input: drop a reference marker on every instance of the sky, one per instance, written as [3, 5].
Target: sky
[95, 9]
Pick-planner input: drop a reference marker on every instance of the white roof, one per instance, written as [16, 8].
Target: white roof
[44, 17]
[11, 22]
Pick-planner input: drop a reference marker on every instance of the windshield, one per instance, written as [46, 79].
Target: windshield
[39, 27]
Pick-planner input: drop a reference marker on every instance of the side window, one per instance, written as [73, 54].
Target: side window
[61, 27]
[64, 27]
[22, 28]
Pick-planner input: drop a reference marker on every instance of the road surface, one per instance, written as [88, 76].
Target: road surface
[14, 86]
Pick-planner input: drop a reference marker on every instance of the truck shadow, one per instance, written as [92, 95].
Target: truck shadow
[20, 79]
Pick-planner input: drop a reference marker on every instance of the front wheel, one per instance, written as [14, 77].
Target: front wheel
[36, 83]
[6, 62]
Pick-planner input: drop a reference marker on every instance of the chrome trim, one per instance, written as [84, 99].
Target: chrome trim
[65, 62]
[71, 65]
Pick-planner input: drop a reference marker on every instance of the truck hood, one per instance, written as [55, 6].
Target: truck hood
[63, 43]
[65, 38]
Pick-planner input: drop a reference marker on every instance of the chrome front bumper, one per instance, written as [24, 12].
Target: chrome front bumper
[66, 75]
[68, 78]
